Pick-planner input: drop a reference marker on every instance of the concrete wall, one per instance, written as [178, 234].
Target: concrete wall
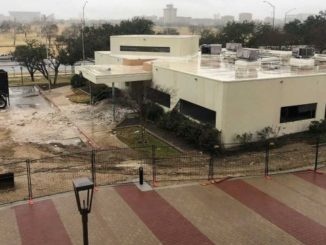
[253, 105]
[201, 91]
[105, 58]
[246, 106]
[179, 45]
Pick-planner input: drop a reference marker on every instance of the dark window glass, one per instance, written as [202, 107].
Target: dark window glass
[159, 97]
[197, 112]
[298, 112]
[145, 49]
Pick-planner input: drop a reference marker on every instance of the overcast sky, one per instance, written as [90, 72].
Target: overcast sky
[118, 9]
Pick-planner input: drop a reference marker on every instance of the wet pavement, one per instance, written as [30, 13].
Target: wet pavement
[286, 209]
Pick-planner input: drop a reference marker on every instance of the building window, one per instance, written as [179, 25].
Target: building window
[159, 97]
[145, 49]
[197, 112]
[298, 112]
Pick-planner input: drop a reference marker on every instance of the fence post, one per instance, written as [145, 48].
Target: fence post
[211, 168]
[93, 166]
[267, 159]
[317, 153]
[29, 182]
[154, 164]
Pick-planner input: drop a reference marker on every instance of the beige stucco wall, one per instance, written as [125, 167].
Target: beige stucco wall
[202, 91]
[246, 106]
[180, 46]
[253, 105]
[105, 58]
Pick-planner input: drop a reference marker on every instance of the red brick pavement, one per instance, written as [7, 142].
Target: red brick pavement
[318, 179]
[167, 224]
[40, 224]
[299, 226]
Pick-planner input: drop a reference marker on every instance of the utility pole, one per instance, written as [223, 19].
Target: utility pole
[273, 6]
[83, 26]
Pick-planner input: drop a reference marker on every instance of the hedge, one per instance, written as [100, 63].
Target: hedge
[77, 81]
[202, 136]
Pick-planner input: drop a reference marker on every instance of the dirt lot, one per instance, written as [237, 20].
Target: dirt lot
[33, 128]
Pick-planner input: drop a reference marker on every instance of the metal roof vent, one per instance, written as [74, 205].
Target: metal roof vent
[249, 54]
[271, 63]
[233, 46]
[303, 52]
[214, 49]
[246, 69]
[302, 64]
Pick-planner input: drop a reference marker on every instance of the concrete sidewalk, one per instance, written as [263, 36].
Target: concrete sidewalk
[287, 209]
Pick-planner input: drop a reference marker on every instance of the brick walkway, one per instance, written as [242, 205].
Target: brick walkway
[164, 221]
[288, 209]
[312, 177]
[291, 221]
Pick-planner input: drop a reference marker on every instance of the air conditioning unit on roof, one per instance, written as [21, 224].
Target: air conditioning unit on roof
[303, 52]
[214, 49]
[248, 54]
[233, 46]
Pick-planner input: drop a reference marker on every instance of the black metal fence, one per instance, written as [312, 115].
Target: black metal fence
[51, 175]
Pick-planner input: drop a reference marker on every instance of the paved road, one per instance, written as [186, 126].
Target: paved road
[288, 209]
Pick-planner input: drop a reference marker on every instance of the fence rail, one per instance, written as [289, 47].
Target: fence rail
[51, 175]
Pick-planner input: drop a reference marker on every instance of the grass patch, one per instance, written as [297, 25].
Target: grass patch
[39, 80]
[132, 137]
[79, 96]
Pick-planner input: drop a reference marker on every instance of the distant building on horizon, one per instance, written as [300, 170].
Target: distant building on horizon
[3, 18]
[245, 17]
[227, 18]
[24, 16]
[169, 15]
[300, 16]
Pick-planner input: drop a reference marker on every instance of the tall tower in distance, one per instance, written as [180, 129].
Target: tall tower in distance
[170, 15]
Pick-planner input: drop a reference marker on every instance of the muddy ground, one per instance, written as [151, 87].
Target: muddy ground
[32, 127]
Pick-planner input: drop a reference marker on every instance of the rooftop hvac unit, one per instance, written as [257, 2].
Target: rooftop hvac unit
[248, 54]
[246, 69]
[214, 49]
[302, 64]
[303, 52]
[271, 63]
[233, 46]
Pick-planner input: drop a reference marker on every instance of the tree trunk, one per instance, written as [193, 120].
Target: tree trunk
[56, 72]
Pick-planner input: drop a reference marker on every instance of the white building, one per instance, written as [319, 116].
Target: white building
[24, 16]
[227, 18]
[236, 96]
[169, 15]
[245, 17]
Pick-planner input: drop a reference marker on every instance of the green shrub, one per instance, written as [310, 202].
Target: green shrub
[153, 111]
[77, 81]
[209, 138]
[318, 127]
[244, 139]
[204, 137]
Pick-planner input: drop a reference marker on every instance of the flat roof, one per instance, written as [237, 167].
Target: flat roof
[105, 74]
[216, 68]
[146, 57]
[157, 36]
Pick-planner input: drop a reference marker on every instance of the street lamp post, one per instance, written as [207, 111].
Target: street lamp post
[84, 189]
[83, 26]
[273, 6]
[21, 75]
[286, 14]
